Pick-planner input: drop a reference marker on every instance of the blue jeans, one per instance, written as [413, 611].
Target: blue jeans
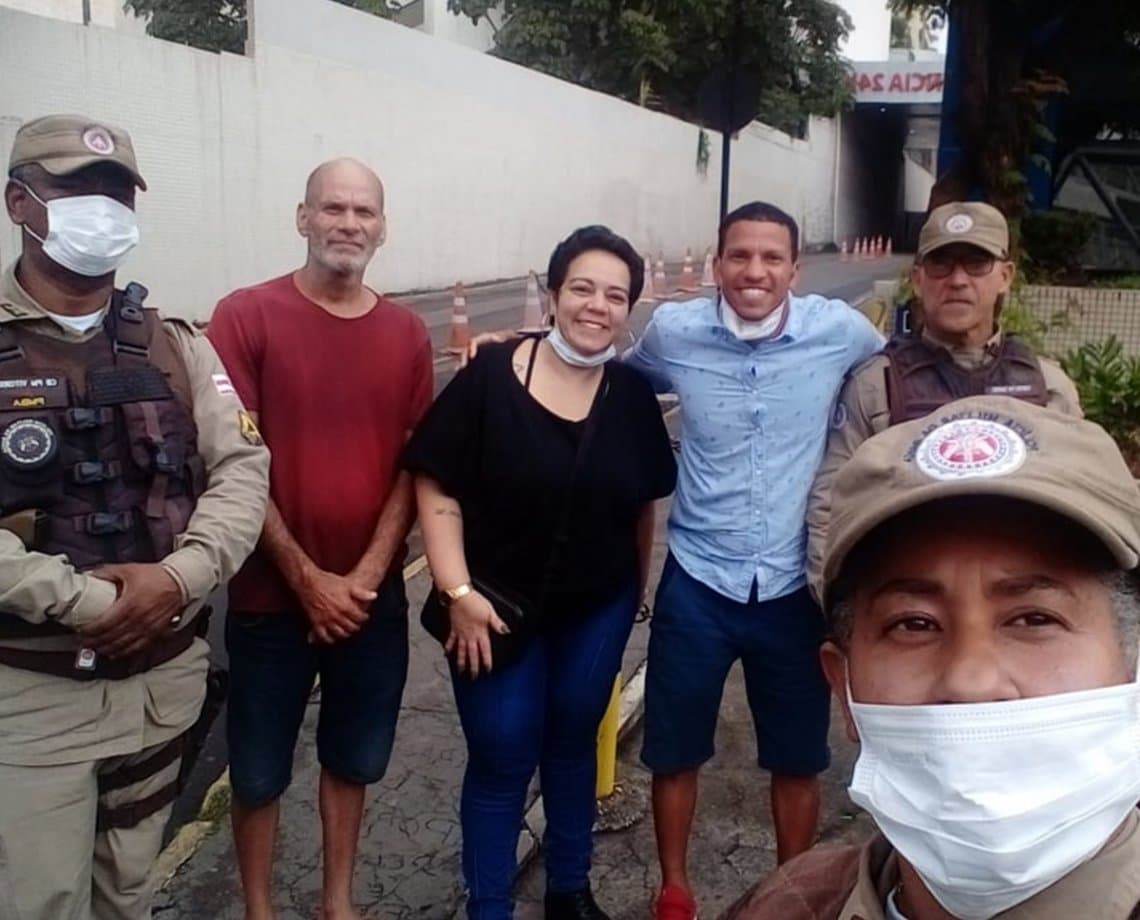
[543, 711]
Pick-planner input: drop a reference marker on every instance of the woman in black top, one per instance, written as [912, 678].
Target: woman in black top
[536, 472]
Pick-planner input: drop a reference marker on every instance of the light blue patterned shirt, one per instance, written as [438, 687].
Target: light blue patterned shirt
[754, 421]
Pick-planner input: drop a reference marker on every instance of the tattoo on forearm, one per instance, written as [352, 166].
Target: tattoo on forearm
[452, 512]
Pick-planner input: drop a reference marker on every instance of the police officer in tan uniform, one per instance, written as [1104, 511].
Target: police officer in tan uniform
[132, 484]
[961, 276]
[980, 590]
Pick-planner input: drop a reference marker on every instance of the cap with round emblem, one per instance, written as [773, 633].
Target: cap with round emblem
[973, 222]
[28, 444]
[990, 446]
[969, 448]
[63, 144]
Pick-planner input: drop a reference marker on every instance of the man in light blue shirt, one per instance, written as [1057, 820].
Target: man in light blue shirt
[757, 371]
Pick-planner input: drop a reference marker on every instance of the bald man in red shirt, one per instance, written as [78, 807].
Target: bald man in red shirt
[336, 376]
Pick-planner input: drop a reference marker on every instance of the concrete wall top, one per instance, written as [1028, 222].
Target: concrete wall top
[107, 13]
[486, 164]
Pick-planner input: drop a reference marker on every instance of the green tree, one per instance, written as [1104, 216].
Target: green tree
[214, 25]
[1018, 55]
[657, 52]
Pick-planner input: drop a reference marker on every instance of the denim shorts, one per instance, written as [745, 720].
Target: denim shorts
[272, 670]
[696, 636]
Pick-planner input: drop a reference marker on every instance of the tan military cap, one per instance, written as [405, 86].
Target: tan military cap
[987, 445]
[62, 144]
[972, 222]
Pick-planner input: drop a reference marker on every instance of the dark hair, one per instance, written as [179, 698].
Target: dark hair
[585, 239]
[759, 210]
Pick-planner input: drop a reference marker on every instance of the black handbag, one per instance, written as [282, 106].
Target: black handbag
[521, 617]
[505, 648]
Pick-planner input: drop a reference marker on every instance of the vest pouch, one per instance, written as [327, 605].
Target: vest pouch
[153, 447]
[31, 461]
[140, 394]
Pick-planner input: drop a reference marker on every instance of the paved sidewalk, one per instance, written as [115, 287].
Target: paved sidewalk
[733, 843]
[409, 850]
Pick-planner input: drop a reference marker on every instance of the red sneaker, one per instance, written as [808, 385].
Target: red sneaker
[675, 903]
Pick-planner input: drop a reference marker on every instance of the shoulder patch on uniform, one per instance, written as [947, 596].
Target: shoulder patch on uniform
[248, 428]
[223, 385]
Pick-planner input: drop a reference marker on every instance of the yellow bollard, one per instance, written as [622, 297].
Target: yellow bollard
[607, 744]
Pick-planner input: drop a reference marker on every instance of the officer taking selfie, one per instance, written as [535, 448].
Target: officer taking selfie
[979, 584]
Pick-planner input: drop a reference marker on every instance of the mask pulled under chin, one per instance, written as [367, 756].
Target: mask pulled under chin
[750, 330]
[573, 356]
[991, 803]
[91, 235]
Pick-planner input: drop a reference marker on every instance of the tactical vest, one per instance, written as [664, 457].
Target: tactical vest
[99, 438]
[922, 377]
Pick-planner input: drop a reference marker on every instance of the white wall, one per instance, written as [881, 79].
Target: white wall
[487, 164]
[108, 13]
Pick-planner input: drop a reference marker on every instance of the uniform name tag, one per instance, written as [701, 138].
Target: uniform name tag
[47, 392]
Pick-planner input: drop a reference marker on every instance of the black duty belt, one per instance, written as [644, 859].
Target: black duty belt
[64, 663]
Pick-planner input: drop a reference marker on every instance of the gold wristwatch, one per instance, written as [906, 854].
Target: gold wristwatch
[448, 596]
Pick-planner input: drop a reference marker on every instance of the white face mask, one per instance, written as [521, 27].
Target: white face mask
[991, 803]
[88, 234]
[748, 330]
[571, 355]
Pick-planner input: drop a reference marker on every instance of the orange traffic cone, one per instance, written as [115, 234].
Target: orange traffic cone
[858, 249]
[879, 247]
[707, 277]
[889, 246]
[660, 282]
[460, 329]
[532, 306]
[843, 254]
[688, 280]
[647, 283]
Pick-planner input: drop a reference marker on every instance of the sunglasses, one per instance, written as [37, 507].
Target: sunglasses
[941, 265]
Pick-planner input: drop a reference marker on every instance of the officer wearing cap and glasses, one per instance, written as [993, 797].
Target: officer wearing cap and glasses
[980, 590]
[132, 484]
[961, 276]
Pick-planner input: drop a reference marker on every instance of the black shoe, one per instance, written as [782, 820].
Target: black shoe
[578, 905]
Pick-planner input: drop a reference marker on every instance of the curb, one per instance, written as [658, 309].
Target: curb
[215, 806]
